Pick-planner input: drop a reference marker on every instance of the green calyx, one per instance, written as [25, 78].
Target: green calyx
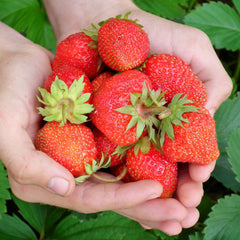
[147, 109]
[90, 169]
[178, 106]
[65, 104]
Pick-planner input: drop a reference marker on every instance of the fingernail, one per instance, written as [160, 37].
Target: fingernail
[212, 112]
[58, 186]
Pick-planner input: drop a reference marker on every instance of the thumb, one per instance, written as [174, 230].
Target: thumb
[28, 166]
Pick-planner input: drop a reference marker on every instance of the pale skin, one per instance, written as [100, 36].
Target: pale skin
[35, 177]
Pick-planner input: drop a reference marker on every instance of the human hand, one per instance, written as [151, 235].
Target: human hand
[34, 177]
[188, 43]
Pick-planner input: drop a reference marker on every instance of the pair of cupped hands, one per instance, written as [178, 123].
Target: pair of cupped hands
[35, 177]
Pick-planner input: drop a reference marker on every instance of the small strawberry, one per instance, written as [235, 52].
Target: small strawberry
[173, 75]
[123, 110]
[98, 80]
[68, 74]
[79, 50]
[122, 43]
[67, 98]
[72, 145]
[189, 136]
[152, 164]
[106, 148]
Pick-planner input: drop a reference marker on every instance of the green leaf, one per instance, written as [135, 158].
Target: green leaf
[227, 120]
[223, 221]
[4, 189]
[169, 9]
[41, 217]
[28, 17]
[233, 152]
[107, 226]
[196, 236]
[11, 227]
[219, 21]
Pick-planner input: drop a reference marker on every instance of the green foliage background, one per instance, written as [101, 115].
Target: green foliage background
[220, 206]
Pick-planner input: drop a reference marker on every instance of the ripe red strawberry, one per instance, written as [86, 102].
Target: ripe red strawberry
[71, 145]
[66, 96]
[68, 74]
[174, 76]
[98, 80]
[106, 148]
[114, 94]
[79, 50]
[122, 43]
[195, 141]
[152, 164]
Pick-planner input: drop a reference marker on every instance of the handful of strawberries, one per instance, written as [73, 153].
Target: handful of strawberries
[109, 104]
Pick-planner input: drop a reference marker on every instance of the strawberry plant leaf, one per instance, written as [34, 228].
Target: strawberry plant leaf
[12, 227]
[171, 9]
[4, 189]
[237, 5]
[107, 226]
[223, 221]
[219, 21]
[41, 217]
[196, 236]
[227, 120]
[233, 152]
[28, 17]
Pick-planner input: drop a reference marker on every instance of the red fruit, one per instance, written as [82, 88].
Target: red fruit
[79, 50]
[71, 145]
[195, 141]
[106, 148]
[153, 165]
[122, 44]
[99, 80]
[114, 94]
[68, 74]
[66, 96]
[173, 75]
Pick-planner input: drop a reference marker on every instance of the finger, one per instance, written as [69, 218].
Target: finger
[28, 166]
[201, 173]
[189, 192]
[90, 197]
[170, 228]
[191, 218]
[156, 210]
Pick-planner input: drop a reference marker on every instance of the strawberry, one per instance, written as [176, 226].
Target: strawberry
[72, 145]
[110, 103]
[106, 148]
[79, 50]
[98, 80]
[66, 96]
[68, 74]
[189, 136]
[122, 43]
[173, 75]
[152, 164]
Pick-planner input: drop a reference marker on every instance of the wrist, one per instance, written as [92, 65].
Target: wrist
[67, 17]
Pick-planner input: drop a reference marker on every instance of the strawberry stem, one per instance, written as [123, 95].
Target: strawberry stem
[111, 180]
[161, 111]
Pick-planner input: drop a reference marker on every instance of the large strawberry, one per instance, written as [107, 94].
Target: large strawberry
[66, 96]
[173, 75]
[122, 43]
[72, 145]
[150, 163]
[79, 50]
[189, 136]
[122, 109]
[106, 148]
